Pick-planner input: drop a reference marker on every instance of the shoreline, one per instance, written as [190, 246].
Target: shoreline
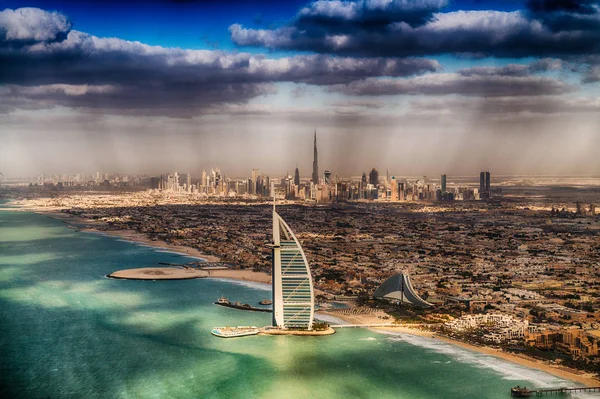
[582, 377]
[136, 237]
[127, 235]
[250, 276]
[573, 375]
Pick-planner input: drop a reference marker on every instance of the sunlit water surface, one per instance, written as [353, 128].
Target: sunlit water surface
[66, 331]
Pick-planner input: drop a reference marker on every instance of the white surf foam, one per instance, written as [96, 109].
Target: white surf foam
[249, 284]
[509, 371]
[328, 318]
[182, 254]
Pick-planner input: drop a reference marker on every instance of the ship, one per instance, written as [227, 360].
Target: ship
[223, 301]
[266, 302]
[232, 332]
[520, 392]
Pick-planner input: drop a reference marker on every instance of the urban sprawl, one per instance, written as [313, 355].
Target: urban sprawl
[516, 265]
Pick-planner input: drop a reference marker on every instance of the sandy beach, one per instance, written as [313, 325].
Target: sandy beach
[129, 235]
[376, 317]
[140, 238]
[583, 378]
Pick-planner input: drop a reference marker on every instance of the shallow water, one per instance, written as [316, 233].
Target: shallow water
[67, 331]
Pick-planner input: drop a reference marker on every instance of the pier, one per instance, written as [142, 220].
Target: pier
[523, 392]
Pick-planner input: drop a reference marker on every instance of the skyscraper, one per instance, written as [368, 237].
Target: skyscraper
[484, 185]
[482, 182]
[315, 174]
[293, 296]
[374, 177]
[297, 177]
[394, 189]
[327, 176]
[443, 184]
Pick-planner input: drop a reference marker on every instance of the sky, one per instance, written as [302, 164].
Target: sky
[419, 87]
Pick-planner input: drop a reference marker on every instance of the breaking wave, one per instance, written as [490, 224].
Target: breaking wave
[250, 284]
[508, 370]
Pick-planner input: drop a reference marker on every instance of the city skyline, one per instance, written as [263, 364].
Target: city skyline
[422, 87]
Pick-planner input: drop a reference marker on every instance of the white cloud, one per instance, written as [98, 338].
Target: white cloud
[31, 24]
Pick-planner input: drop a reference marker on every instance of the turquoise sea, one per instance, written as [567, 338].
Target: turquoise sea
[66, 331]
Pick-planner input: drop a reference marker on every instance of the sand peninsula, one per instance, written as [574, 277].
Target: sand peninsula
[181, 273]
[158, 273]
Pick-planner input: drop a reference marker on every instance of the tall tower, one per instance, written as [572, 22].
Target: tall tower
[293, 293]
[297, 177]
[482, 182]
[394, 187]
[443, 183]
[315, 174]
[374, 177]
[327, 176]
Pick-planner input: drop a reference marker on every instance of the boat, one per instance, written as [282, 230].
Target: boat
[520, 392]
[223, 300]
[266, 302]
[232, 332]
[238, 305]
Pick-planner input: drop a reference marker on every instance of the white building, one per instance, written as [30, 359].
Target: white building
[293, 295]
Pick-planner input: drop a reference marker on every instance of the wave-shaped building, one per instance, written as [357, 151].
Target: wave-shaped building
[399, 288]
[293, 294]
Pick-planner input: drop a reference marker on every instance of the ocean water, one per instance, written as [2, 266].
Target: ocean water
[67, 331]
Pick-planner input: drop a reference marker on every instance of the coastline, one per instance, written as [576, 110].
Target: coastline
[251, 276]
[140, 238]
[583, 378]
[136, 237]
[127, 235]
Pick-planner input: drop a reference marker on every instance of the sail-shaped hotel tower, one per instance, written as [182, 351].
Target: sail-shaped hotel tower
[293, 299]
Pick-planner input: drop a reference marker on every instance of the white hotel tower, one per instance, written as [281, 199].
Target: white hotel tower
[293, 299]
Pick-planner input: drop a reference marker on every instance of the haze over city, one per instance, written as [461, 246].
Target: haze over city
[417, 87]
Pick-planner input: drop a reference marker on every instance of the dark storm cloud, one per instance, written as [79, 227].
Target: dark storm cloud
[83, 59]
[592, 74]
[466, 84]
[136, 76]
[148, 100]
[574, 6]
[543, 65]
[557, 32]
[566, 15]
[347, 16]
